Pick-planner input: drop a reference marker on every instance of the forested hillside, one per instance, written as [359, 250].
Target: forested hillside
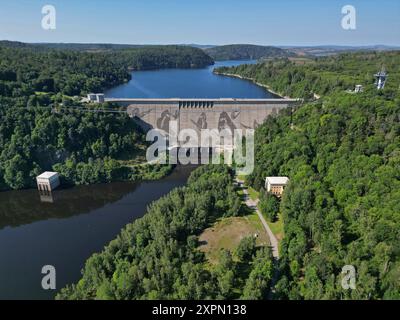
[157, 256]
[323, 75]
[26, 69]
[246, 52]
[342, 155]
[161, 57]
[83, 147]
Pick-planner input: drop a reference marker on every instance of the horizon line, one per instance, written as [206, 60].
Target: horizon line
[208, 45]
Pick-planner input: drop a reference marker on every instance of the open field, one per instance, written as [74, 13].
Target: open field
[226, 233]
[301, 61]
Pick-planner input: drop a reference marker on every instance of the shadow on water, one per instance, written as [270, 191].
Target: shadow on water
[27, 206]
[80, 222]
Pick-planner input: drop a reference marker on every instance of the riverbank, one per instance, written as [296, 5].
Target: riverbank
[234, 75]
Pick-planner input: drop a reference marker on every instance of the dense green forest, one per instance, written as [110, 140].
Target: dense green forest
[25, 70]
[161, 57]
[83, 147]
[342, 154]
[157, 256]
[246, 52]
[322, 75]
[342, 205]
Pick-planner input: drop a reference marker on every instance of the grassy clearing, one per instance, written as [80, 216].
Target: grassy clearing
[226, 233]
[277, 227]
[41, 93]
[301, 61]
[253, 193]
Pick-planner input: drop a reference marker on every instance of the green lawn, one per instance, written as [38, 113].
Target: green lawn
[226, 233]
[253, 193]
[41, 93]
[277, 227]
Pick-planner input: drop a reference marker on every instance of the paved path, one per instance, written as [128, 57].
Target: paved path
[253, 205]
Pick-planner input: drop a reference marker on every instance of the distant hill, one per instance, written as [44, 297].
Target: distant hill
[327, 50]
[201, 46]
[246, 52]
[70, 46]
[13, 44]
[91, 46]
[88, 46]
[132, 57]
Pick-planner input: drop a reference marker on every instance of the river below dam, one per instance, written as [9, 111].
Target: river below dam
[64, 233]
[66, 229]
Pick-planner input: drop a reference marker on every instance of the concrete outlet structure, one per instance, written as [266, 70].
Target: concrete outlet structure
[48, 181]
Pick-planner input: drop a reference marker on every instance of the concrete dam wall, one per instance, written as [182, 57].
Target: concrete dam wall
[201, 114]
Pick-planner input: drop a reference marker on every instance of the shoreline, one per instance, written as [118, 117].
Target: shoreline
[234, 75]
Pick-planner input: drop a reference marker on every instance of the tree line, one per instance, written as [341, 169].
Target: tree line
[246, 52]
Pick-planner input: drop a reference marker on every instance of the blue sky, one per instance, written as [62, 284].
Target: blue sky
[279, 22]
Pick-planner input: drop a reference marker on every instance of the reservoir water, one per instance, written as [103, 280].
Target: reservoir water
[65, 230]
[188, 83]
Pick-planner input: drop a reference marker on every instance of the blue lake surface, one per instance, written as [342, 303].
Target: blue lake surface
[188, 83]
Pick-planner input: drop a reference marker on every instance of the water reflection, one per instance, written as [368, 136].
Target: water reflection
[27, 206]
[46, 196]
